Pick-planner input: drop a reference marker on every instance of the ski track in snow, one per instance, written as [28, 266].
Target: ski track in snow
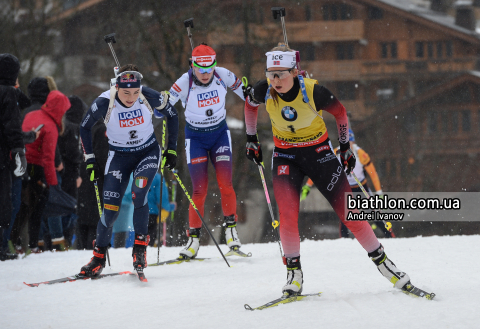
[208, 294]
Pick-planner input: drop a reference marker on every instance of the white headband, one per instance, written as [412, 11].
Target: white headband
[281, 59]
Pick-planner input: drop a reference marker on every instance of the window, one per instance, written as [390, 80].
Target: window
[333, 12]
[432, 121]
[419, 49]
[375, 13]
[466, 120]
[346, 90]
[448, 49]
[393, 49]
[439, 49]
[345, 12]
[430, 49]
[308, 13]
[345, 51]
[384, 50]
[445, 119]
[388, 50]
[454, 121]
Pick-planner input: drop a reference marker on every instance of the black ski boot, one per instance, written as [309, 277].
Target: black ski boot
[6, 255]
[96, 264]
[139, 252]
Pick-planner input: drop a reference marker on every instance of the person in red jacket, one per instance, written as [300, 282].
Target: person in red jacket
[41, 157]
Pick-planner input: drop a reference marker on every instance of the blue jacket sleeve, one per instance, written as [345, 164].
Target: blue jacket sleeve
[170, 112]
[98, 110]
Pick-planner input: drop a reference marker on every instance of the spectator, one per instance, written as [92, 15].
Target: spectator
[38, 90]
[11, 142]
[153, 205]
[41, 156]
[28, 137]
[87, 209]
[61, 227]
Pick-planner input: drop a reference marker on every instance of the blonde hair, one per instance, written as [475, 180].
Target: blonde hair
[280, 47]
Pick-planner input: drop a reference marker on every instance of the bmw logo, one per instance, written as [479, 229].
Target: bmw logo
[289, 113]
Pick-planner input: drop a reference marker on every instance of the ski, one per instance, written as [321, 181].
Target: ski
[411, 290]
[75, 278]
[141, 276]
[178, 260]
[282, 300]
[235, 251]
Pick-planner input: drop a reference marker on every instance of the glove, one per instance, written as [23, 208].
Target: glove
[248, 95]
[305, 192]
[379, 193]
[247, 91]
[164, 102]
[254, 151]
[18, 155]
[93, 172]
[347, 158]
[169, 159]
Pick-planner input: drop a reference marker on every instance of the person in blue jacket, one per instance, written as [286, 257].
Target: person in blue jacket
[154, 202]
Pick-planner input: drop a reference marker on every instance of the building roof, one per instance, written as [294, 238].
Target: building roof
[426, 16]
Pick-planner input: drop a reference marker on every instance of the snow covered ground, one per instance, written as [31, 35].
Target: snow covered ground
[210, 295]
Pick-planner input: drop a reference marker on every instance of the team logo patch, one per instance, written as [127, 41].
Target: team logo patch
[223, 158]
[128, 77]
[141, 182]
[110, 207]
[322, 148]
[130, 118]
[289, 113]
[110, 194]
[276, 62]
[208, 99]
[133, 195]
[199, 160]
[283, 155]
[176, 88]
[284, 170]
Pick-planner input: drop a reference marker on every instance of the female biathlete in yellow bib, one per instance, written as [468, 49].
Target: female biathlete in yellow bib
[302, 148]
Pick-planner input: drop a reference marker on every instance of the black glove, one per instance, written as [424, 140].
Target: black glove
[254, 151]
[93, 172]
[18, 156]
[347, 158]
[169, 159]
[247, 91]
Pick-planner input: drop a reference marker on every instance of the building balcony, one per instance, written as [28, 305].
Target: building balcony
[387, 67]
[308, 32]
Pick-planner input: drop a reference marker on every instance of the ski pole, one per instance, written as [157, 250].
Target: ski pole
[198, 213]
[99, 204]
[174, 199]
[275, 222]
[161, 189]
[388, 225]
[189, 24]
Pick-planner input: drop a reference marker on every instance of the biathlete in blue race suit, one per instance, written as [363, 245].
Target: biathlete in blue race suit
[202, 91]
[127, 112]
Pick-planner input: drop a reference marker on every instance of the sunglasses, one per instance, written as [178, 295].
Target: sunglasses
[203, 69]
[280, 74]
